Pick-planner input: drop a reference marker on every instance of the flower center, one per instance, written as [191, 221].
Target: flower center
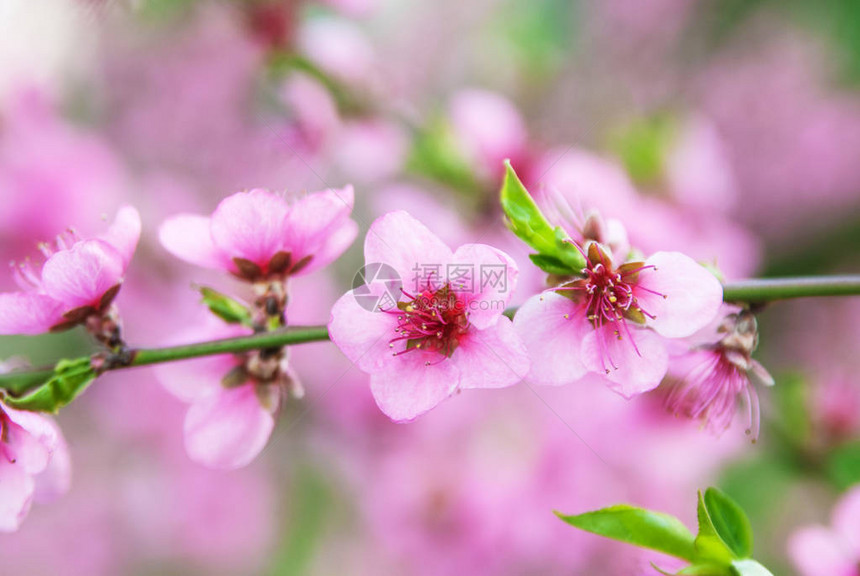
[606, 293]
[432, 320]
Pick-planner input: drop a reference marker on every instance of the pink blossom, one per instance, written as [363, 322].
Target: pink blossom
[489, 129]
[613, 320]
[34, 463]
[78, 279]
[258, 234]
[835, 551]
[440, 333]
[231, 413]
[711, 377]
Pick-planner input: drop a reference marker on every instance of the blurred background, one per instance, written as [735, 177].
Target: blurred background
[727, 129]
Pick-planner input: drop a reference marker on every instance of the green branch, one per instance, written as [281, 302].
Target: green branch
[750, 291]
[769, 289]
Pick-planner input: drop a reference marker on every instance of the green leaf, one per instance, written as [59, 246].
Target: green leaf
[225, 307]
[525, 219]
[70, 379]
[722, 521]
[843, 465]
[549, 264]
[709, 545]
[749, 568]
[639, 527]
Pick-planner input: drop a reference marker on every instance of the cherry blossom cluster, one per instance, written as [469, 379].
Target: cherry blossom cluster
[437, 324]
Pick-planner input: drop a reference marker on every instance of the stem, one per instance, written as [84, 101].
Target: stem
[751, 291]
[19, 383]
[768, 289]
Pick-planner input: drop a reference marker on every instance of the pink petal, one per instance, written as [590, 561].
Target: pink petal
[124, 233]
[16, 495]
[846, 520]
[81, 275]
[191, 379]
[28, 313]
[55, 480]
[336, 244]
[404, 243]
[188, 237]
[251, 225]
[491, 358]
[633, 364]
[409, 388]
[552, 332]
[229, 428]
[32, 439]
[362, 335]
[312, 220]
[817, 551]
[692, 294]
[490, 280]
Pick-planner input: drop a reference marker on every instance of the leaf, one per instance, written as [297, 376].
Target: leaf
[549, 264]
[525, 219]
[721, 516]
[843, 465]
[709, 544]
[70, 379]
[639, 527]
[225, 307]
[749, 568]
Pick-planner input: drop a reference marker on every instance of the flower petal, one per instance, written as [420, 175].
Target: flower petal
[229, 428]
[486, 278]
[16, 495]
[312, 220]
[81, 275]
[491, 358]
[409, 388]
[362, 335]
[682, 295]
[552, 332]
[634, 363]
[817, 551]
[251, 225]
[405, 244]
[846, 519]
[124, 233]
[188, 237]
[32, 439]
[56, 479]
[336, 244]
[28, 313]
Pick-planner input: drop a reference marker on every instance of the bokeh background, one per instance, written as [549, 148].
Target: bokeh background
[728, 129]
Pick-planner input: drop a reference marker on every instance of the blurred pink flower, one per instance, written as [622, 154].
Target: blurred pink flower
[447, 334]
[713, 376]
[34, 462]
[79, 278]
[489, 129]
[834, 551]
[611, 322]
[257, 234]
[231, 415]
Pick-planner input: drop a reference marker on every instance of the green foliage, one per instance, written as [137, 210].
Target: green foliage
[722, 547]
[639, 527]
[435, 154]
[843, 465]
[225, 307]
[526, 220]
[720, 516]
[642, 147]
[70, 379]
